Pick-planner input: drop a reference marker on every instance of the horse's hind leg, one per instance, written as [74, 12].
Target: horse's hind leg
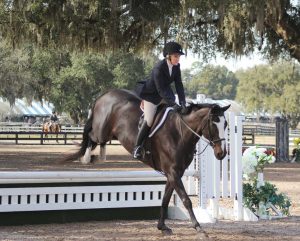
[164, 210]
[87, 155]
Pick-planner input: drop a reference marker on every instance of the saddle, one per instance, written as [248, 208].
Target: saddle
[159, 118]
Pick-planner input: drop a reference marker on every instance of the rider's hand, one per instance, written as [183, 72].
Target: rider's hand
[184, 110]
[177, 108]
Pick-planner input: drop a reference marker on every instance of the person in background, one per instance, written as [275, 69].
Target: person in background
[53, 118]
[157, 89]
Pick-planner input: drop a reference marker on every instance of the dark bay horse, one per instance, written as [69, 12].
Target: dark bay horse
[49, 127]
[116, 114]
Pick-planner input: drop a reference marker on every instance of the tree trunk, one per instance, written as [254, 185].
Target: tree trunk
[282, 139]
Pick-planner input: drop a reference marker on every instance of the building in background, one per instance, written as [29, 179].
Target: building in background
[22, 111]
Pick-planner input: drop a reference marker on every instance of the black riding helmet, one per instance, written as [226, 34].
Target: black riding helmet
[172, 48]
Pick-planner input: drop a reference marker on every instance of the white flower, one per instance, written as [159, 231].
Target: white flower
[272, 160]
[249, 162]
[260, 151]
[254, 159]
[249, 151]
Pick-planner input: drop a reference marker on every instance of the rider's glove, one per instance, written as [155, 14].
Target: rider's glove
[184, 110]
[176, 108]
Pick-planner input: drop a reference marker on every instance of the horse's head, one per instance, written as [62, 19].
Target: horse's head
[212, 126]
[214, 130]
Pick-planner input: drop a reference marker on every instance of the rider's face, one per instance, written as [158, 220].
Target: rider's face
[174, 59]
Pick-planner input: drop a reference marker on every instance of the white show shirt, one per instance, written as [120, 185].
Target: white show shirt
[170, 66]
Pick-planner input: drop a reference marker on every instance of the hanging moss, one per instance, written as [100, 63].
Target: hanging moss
[232, 27]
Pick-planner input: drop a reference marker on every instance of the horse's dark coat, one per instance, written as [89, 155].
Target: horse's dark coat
[116, 115]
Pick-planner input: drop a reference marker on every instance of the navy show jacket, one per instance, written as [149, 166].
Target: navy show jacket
[158, 86]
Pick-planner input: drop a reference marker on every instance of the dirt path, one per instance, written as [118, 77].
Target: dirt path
[285, 176]
[47, 158]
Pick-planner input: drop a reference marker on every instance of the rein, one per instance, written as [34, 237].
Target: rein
[209, 142]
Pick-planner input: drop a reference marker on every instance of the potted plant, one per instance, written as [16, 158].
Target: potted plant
[296, 150]
[262, 198]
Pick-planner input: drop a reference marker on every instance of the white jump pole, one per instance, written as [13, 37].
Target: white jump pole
[238, 200]
[224, 188]
[232, 149]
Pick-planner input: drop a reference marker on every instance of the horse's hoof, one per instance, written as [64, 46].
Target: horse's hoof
[201, 234]
[167, 232]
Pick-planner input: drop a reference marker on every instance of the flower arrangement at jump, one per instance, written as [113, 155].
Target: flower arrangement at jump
[296, 150]
[262, 198]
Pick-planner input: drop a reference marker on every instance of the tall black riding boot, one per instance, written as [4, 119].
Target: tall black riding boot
[143, 133]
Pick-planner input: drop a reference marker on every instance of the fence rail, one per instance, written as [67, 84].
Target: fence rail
[21, 134]
[39, 138]
[264, 130]
[35, 137]
[24, 128]
[257, 129]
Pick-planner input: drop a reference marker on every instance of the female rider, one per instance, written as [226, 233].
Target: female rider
[157, 89]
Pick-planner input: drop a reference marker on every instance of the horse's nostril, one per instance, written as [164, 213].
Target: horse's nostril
[221, 154]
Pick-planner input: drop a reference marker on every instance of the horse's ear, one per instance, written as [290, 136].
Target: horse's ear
[217, 110]
[225, 108]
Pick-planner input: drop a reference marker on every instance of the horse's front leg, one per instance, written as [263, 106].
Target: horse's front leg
[102, 156]
[176, 181]
[164, 210]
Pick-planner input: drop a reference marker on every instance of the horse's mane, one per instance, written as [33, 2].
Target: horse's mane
[193, 106]
[190, 107]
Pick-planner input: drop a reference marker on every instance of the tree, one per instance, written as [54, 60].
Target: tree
[127, 69]
[273, 88]
[71, 81]
[214, 81]
[15, 74]
[77, 86]
[233, 27]
[44, 68]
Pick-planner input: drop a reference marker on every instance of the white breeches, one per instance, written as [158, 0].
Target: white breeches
[149, 112]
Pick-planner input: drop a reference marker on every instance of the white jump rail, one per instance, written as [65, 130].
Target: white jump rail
[88, 190]
[79, 190]
[83, 176]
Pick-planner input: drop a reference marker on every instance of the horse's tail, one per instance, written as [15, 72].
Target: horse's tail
[86, 141]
